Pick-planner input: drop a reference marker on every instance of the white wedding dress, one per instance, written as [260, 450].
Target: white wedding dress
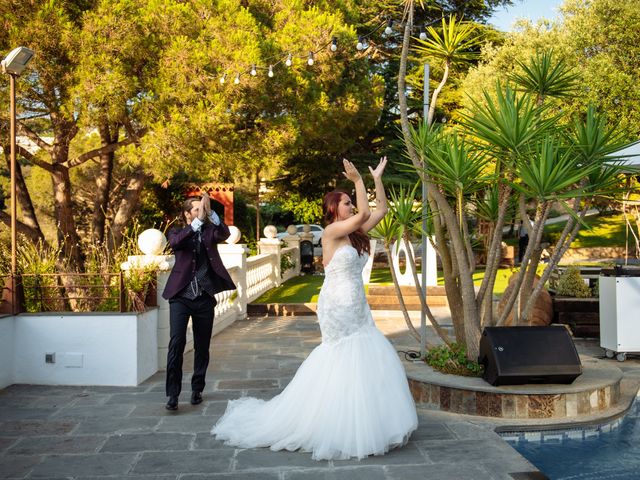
[349, 398]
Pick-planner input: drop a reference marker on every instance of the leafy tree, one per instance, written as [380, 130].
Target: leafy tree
[597, 39]
[145, 76]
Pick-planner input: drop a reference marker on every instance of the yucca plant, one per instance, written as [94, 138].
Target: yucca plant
[532, 157]
[455, 43]
[544, 77]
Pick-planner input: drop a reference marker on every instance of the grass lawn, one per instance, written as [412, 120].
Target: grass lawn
[601, 231]
[607, 230]
[302, 289]
[305, 289]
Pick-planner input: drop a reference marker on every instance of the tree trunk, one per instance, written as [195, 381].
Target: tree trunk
[403, 307]
[257, 206]
[63, 207]
[423, 301]
[103, 184]
[29, 218]
[126, 209]
[22, 229]
[436, 92]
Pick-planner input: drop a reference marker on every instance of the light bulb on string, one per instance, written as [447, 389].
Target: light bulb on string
[223, 78]
[270, 74]
[423, 35]
[334, 44]
[237, 79]
[389, 29]
[360, 44]
[254, 72]
[289, 60]
[310, 61]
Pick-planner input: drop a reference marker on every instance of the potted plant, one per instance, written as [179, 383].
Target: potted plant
[576, 305]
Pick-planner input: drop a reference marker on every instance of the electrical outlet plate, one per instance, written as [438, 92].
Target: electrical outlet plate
[49, 358]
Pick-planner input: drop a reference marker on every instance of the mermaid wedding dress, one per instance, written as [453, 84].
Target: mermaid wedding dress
[349, 398]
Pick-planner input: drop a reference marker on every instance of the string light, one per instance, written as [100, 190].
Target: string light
[389, 29]
[334, 44]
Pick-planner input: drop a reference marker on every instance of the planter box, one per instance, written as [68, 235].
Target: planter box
[115, 349]
[582, 315]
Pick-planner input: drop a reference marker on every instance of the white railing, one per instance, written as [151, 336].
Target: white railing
[227, 306]
[261, 275]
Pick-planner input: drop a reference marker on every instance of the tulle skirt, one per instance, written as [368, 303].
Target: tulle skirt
[348, 399]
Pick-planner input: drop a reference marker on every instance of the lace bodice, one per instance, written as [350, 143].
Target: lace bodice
[342, 304]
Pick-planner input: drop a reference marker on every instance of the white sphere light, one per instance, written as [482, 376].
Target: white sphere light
[235, 234]
[270, 231]
[152, 242]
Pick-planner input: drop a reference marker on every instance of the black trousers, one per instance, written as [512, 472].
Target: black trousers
[201, 311]
[522, 246]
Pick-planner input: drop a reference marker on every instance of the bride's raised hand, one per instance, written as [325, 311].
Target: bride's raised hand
[350, 171]
[377, 173]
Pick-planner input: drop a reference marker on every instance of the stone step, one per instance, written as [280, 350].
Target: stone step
[383, 297]
[280, 309]
[405, 289]
[408, 300]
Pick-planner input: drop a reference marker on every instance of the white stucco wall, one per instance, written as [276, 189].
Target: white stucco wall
[6, 350]
[90, 349]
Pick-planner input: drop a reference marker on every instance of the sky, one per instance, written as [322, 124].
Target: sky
[504, 18]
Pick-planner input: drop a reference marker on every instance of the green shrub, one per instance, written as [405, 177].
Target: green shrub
[287, 262]
[571, 284]
[453, 359]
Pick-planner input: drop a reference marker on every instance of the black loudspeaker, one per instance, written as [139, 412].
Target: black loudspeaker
[519, 355]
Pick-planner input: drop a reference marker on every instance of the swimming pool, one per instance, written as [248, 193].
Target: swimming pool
[610, 451]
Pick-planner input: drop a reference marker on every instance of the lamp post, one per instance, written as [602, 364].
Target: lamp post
[13, 65]
[425, 212]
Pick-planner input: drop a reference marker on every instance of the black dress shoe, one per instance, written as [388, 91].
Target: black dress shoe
[196, 398]
[172, 404]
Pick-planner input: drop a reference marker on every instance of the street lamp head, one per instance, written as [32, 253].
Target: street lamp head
[17, 60]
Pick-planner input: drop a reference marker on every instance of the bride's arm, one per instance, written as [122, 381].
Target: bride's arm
[381, 198]
[342, 228]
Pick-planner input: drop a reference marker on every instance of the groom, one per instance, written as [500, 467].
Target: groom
[198, 274]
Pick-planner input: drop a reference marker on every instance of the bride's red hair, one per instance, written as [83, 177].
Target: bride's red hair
[359, 239]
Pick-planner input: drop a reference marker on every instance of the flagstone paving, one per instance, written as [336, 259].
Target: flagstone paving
[54, 432]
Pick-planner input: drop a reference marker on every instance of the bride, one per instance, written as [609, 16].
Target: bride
[350, 397]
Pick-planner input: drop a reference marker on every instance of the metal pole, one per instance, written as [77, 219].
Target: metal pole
[425, 209]
[14, 209]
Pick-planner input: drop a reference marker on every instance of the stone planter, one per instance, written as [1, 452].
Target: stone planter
[582, 315]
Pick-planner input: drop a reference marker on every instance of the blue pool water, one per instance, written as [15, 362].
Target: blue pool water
[610, 451]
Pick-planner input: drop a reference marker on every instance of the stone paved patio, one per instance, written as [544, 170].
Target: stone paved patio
[109, 432]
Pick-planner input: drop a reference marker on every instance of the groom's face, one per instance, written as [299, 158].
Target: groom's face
[193, 213]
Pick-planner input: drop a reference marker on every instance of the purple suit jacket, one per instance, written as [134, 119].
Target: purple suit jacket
[185, 266]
